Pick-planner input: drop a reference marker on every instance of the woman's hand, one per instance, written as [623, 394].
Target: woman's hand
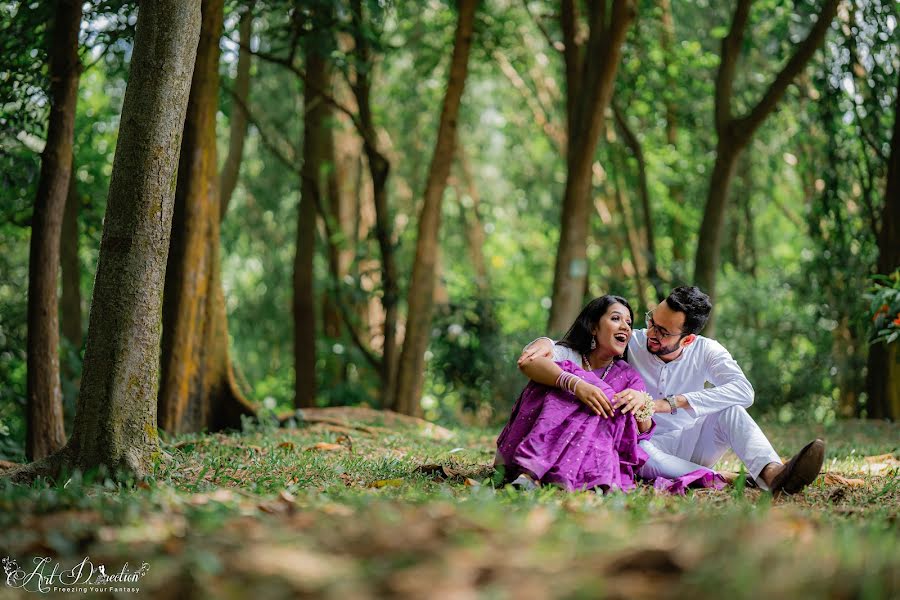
[628, 400]
[594, 398]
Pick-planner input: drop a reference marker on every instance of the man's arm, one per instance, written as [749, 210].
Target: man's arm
[732, 387]
[539, 348]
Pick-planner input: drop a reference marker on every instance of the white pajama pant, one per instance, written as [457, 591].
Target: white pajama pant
[702, 444]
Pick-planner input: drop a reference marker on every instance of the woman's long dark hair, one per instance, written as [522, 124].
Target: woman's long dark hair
[579, 336]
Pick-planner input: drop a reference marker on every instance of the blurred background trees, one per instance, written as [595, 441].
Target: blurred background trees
[586, 155]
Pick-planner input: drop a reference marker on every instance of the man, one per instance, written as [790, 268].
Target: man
[696, 424]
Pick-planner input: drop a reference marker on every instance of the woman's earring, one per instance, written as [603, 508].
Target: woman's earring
[593, 343]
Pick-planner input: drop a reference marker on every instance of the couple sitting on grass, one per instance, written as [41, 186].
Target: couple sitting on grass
[607, 404]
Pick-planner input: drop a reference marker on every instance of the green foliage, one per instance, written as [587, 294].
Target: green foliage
[471, 368]
[885, 308]
[800, 244]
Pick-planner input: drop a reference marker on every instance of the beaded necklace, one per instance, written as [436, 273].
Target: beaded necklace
[587, 362]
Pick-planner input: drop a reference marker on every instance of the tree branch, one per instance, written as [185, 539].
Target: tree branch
[301, 74]
[731, 50]
[600, 80]
[794, 66]
[277, 148]
[556, 45]
[537, 109]
[568, 18]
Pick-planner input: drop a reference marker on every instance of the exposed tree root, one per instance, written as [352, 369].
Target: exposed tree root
[352, 416]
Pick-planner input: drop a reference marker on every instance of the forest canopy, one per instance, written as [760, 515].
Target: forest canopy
[380, 203]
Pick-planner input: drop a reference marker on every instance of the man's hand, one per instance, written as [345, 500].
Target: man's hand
[542, 348]
[629, 400]
[594, 398]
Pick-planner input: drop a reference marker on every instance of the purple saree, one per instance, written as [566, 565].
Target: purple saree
[556, 439]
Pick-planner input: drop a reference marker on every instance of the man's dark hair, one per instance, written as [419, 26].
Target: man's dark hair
[694, 304]
[579, 336]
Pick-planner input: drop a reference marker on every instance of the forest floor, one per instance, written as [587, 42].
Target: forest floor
[345, 510]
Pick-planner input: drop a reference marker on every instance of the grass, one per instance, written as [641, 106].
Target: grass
[257, 514]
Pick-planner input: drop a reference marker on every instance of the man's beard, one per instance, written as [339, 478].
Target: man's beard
[662, 350]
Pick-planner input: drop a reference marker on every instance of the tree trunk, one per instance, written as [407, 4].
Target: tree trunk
[735, 133]
[472, 221]
[342, 152]
[238, 125]
[312, 189]
[420, 299]
[197, 391]
[634, 241]
[70, 265]
[613, 244]
[45, 432]
[115, 424]
[648, 254]
[883, 378]
[379, 168]
[589, 87]
[676, 187]
[709, 243]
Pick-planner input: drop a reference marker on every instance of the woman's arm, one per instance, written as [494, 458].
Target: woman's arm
[545, 371]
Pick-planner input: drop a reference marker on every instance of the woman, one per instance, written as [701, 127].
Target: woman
[564, 429]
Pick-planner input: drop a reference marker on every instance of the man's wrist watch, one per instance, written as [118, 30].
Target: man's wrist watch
[672, 404]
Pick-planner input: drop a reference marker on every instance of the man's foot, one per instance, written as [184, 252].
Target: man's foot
[523, 482]
[800, 471]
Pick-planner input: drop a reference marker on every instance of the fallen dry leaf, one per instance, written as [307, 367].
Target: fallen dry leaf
[219, 495]
[885, 458]
[386, 483]
[538, 521]
[304, 569]
[325, 447]
[835, 479]
[346, 440]
[286, 445]
[339, 510]
[437, 471]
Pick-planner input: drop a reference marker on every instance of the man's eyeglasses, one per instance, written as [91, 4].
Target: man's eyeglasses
[660, 331]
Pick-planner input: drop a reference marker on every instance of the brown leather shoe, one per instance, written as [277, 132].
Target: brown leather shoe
[801, 470]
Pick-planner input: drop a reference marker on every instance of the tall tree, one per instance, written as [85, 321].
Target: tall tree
[115, 420]
[648, 252]
[45, 432]
[198, 388]
[734, 133]
[883, 378]
[590, 74]
[420, 299]
[676, 186]
[313, 185]
[238, 118]
[70, 267]
[379, 169]
[470, 210]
